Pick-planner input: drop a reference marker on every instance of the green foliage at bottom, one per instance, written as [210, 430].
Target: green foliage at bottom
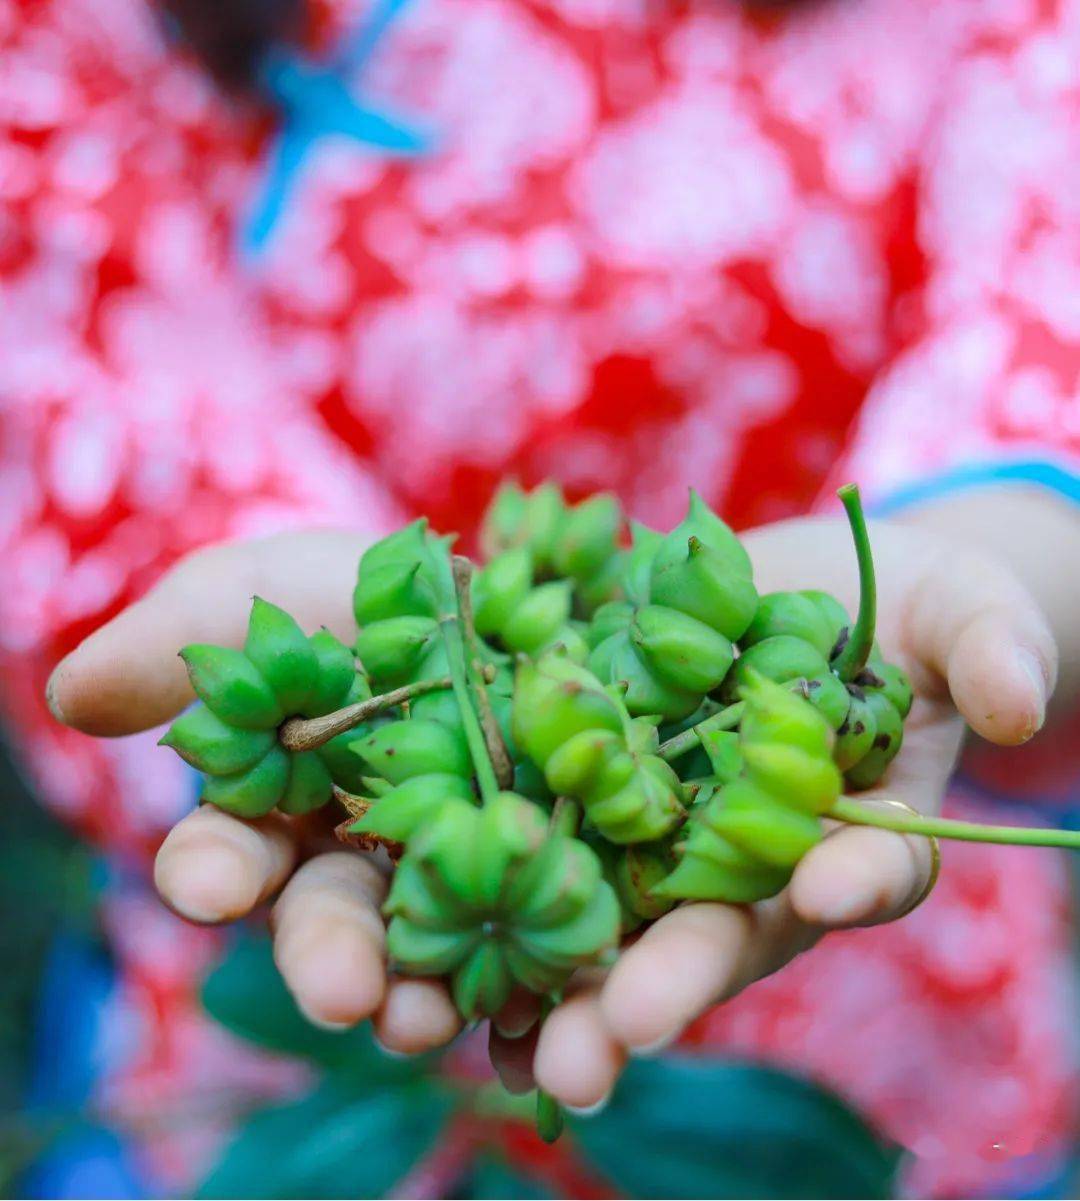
[493, 1179]
[332, 1143]
[356, 1135]
[247, 995]
[46, 892]
[678, 1127]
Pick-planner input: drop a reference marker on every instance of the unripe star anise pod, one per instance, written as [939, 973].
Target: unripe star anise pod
[744, 841]
[578, 543]
[490, 897]
[245, 695]
[689, 594]
[579, 733]
[807, 636]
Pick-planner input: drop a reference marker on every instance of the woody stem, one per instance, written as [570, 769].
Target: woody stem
[452, 628]
[565, 817]
[310, 733]
[496, 745]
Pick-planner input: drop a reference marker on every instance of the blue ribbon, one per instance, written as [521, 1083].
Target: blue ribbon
[315, 100]
[1042, 472]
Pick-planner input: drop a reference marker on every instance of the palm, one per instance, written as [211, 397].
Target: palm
[960, 625]
[785, 557]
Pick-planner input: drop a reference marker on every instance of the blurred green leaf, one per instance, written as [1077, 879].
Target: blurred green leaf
[46, 885]
[331, 1144]
[246, 994]
[495, 1179]
[678, 1127]
[23, 1137]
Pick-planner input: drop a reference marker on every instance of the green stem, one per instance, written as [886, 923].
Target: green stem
[943, 827]
[680, 744]
[565, 817]
[549, 1113]
[474, 735]
[854, 653]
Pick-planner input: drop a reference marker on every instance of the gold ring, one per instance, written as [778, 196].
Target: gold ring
[935, 857]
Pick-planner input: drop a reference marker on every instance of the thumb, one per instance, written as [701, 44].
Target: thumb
[127, 676]
[973, 625]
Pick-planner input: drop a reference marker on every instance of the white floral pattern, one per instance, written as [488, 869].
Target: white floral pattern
[655, 245]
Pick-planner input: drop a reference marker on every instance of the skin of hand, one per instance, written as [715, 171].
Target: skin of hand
[958, 612]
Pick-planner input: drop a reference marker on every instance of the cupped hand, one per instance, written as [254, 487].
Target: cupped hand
[973, 640]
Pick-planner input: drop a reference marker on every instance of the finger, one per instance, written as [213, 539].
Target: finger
[329, 938]
[577, 1060]
[214, 868]
[512, 1058]
[976, 626]
[681, 964]
[860, 877]
[416, 1016]
[127, 676]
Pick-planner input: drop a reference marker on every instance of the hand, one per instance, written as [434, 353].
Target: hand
[973, 640]
[977, 649]
[212, 868]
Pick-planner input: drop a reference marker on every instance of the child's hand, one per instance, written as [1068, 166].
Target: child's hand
[976, 647]
[962, 624]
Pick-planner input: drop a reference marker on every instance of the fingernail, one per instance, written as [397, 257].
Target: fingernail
[192, 911]
[387, 1051]
[51, 698]
[515, 1029]
[516, 1086]
[589, 1111]
[1036, 673]
[647, 1050]
[205, 882]
[322, 1023]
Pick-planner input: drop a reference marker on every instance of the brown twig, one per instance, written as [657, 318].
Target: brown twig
[309, 733]
[356, 807]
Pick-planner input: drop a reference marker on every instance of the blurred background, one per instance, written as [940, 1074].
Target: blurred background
[273, 264]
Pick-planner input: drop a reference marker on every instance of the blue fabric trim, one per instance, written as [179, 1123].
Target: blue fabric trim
[315, 101]
[1034, 471]
[1039, 1177]
[359, 45]
[283, 171]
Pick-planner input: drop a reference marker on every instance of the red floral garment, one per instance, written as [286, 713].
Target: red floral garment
[655, 243]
